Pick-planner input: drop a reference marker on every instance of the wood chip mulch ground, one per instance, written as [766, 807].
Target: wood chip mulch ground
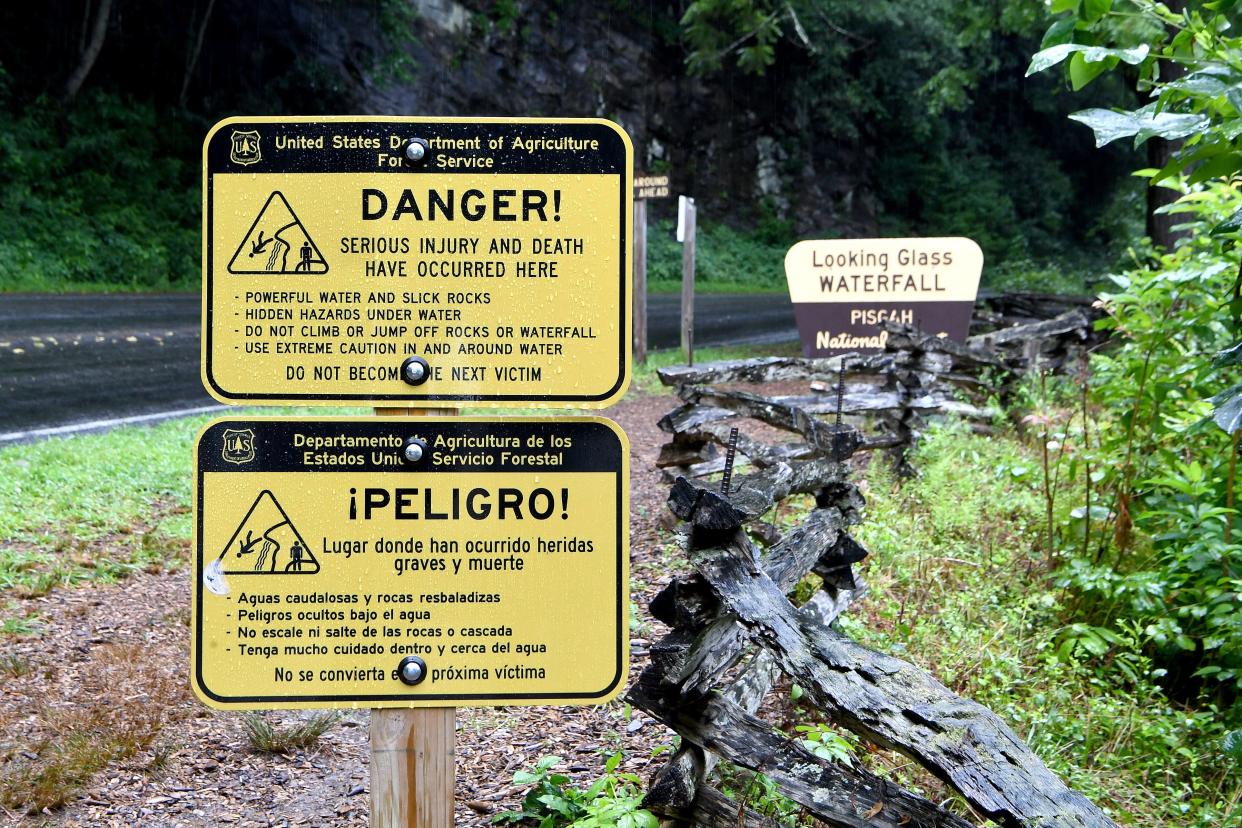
[113, 659]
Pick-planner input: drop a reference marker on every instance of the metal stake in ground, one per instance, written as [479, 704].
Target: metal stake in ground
[730, 454]
[840, 391]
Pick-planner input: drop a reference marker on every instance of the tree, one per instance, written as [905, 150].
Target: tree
[1191, 67]
[91, 51]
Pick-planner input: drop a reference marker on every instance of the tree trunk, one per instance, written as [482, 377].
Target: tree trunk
[1159, 151]
[192, 59]
[98, 30]
[1160, 225]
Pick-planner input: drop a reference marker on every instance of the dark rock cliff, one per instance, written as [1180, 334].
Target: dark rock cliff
[729, 141]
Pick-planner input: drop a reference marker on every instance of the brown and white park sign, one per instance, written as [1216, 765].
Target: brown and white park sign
[843, 289]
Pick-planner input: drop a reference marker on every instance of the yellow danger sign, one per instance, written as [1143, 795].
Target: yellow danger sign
[338, 567]
[378, 260]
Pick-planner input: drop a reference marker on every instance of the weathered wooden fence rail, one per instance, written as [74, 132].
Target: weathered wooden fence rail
[734, 630]
[916, 377]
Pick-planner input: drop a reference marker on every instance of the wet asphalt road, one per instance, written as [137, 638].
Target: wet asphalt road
[66, 361]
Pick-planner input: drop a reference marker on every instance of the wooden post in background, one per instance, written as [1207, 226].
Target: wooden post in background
[687, 282]
[413, 762]
[640, 281]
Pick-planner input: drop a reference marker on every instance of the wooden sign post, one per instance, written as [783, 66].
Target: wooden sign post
[640, 281]
[645, 187]
[413, 772]
[686, 235]
[413, 750]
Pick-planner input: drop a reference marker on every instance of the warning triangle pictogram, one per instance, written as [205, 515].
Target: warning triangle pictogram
[277, 243]
[267, 543]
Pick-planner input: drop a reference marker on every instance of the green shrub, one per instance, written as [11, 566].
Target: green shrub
[104, 195]
[551, 802]
[960, 585]
[725, 258]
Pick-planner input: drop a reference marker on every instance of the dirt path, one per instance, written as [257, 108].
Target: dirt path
[108, 678]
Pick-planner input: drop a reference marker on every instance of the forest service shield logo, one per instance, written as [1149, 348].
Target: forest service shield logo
[244, 148]
[238, 445]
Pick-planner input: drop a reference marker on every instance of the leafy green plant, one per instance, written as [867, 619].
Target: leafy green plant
[960, 584]
[103, 195]
[759, 793]
[1153, 539]
[612, 800]
[827, 743]
[1187, 62]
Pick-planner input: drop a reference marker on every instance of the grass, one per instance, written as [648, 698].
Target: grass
[96, 506]
[265, 737]
[959, 585]
[14, 666]
[124, 703]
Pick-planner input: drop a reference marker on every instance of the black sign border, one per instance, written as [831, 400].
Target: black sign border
[209, 380]
[488, 699]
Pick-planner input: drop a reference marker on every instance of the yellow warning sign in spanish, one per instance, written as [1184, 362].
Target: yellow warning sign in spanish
[410, 563]
[379, 260]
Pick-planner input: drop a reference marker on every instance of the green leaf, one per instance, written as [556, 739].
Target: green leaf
[1231, 745]
[646, 819]
[1233, 224]
[1229, 356]
[1228, 414]
[1093, 10]
[1059, 32]
[1047, 58]
[1222, 166]
[613, 762]
[557, 803]
[1082, 72]
[1109, 126]
[1211, 80]
[1059, 6]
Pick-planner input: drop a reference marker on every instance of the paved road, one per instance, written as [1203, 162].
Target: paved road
[76, 362]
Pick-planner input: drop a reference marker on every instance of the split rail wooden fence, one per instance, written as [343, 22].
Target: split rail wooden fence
[734, 628]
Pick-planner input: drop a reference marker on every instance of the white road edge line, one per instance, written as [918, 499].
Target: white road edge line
[102, 424]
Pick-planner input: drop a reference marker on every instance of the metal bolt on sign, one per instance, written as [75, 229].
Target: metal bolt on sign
[412, 670]
[416, 150]
[415, 450]
[415, 370]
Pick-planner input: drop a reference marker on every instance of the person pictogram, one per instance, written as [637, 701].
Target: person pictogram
[295, 557]
[306, 262]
